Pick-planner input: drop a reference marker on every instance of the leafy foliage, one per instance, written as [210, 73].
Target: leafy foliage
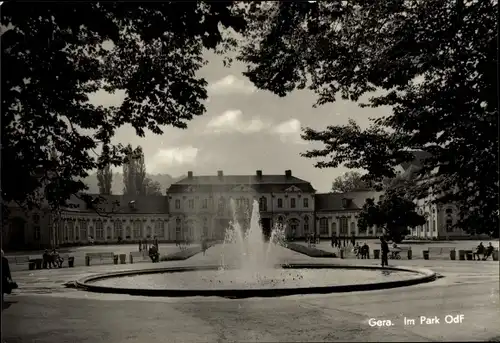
[393, 213]
[350, 181]
[59, 53]
[152, 187]
[105, 180]
[433, 62]
[134, 172]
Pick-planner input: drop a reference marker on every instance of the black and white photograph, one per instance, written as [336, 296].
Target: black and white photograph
[249, 171]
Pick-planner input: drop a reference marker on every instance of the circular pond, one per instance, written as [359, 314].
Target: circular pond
[287, 280]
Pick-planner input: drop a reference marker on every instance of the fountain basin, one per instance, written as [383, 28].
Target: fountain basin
[233, 283]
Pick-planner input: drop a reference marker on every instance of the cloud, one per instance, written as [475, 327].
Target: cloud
[230, 84]
[172, 157]
[289, 131]
[233, 121]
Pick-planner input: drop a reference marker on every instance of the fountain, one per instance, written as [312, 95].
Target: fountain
[249, 266]
[249, 251]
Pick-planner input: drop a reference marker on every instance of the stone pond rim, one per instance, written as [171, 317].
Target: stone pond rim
[85, 284]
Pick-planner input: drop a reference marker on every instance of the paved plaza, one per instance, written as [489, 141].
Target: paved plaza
[43, 310]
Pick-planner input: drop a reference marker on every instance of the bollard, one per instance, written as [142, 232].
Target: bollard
[409, 253]
[123, 258]
[71, 262]
[87, 261]
[494, 255]
[38, 263]
[31, 266]
[341, 253]
[425, 253]
[115, 259]
[376, 254]
[131, 259]
[461, 255]
[453, 255]
[468, 254]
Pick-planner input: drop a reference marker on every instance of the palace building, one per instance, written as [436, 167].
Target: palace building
[200, 206]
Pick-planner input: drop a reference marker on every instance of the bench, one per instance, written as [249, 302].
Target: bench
[100, 256]
[67, 258]
[139, 256]
[440, 252]
[18, 259]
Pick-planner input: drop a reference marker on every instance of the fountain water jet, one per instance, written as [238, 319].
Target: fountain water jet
[248, 248]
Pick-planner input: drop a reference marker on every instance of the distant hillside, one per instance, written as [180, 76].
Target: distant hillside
[165, 181]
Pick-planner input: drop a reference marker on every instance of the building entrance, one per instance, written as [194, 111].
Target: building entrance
[266, 227]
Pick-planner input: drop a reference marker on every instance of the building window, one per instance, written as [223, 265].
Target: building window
[128, 232]
[449, 211]
[99, 230]
[71, 230]
[83, 224]
[177, 204]
[293, 227]
[36, 219]
[205, 227]
[118, 225]
[160, 228]
[109, 232]
[149, 232]
[263, 204]
[449, 225]
[137, 229]
[204, 204]
[222, 205]
[191, 203]
[37, 232]
[280, 203]
[306, 203]
[280, 220]
[334, 229]
[433, 225]
[178, 228]
[323, 226]
[306, 225]
[343, 225]
[292, 202]
[353, 228]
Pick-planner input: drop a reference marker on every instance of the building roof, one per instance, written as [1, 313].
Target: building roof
[417, 161]
[262, 184]
[327, 202]
[114, 204]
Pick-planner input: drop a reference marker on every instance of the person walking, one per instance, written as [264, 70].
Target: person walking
[384, 247]
[7, 284]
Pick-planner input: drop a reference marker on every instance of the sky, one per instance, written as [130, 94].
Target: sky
[243, 130]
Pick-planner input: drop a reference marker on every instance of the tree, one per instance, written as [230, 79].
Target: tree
[152, 187]
[433, 62]
[59, 53]
[140, 172]
[393, 213]
[348, 182]
[105, 180]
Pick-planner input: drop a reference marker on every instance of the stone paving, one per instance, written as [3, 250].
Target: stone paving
[468, 288]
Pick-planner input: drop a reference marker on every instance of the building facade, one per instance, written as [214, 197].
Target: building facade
[203, 206]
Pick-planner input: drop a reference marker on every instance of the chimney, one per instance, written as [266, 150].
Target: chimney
[190, 174]
[259, 174]
[288, 173]
[220, 174]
